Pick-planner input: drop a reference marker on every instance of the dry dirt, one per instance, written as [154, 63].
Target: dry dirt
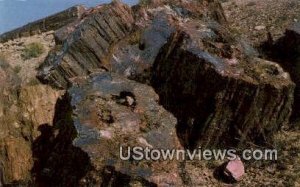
[12, 52]
[255, 18]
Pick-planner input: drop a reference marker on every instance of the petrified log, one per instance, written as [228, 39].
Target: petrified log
[88, 46]
[221, 98]
[107, 112]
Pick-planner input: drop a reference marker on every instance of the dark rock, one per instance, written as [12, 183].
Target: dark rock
[218, 97]
[114, 38]
[134, 57]
[87, 46]
[102, 124]
[107, 60]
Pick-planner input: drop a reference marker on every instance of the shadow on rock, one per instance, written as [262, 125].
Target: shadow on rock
[57, 161]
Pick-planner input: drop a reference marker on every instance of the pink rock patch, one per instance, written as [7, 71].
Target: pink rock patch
[235, 169]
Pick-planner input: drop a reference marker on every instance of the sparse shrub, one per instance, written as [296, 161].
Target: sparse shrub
[33, 82]
[3, 61]
[32, 50]
[144, 2]
[17, 69]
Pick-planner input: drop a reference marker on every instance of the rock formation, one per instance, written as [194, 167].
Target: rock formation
[221, 97]
[99, 116]
[166, 75]
[86, 48]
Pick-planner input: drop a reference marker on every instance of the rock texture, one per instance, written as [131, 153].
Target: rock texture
[163, 75]
[25, 105]
[201, 68]
[220, 97]
[107, 112]
[88, 46]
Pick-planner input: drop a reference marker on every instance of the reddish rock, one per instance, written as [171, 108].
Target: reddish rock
[235, 169]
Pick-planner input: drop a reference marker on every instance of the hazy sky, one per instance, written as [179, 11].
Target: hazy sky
[15, 13]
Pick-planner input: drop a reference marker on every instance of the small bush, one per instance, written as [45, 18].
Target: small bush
[144, 2]
[3, 61]
[17, 69]
[33, 82]
[32, 50]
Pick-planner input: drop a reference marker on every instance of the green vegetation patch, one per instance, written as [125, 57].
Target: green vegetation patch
[32, 50]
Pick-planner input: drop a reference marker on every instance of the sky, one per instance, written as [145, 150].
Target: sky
[16, 13]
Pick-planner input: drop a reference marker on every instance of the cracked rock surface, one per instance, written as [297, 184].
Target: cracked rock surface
[166, 75]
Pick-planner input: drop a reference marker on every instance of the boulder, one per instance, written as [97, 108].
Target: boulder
[219, 96]
[210, 80]
[98, 116]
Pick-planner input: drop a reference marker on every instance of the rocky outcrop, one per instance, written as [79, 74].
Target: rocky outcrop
[115, 38]
[50, 23]
[24, 107]
[20, 118]
[166, 75]
[88, 46]
[215, 72]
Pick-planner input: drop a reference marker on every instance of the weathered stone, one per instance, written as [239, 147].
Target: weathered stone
[219, 98]
[87, 47]
[134, 56]
[93, 42]
[103, 122]
[22, 110]
[212, 82]
[235, 169]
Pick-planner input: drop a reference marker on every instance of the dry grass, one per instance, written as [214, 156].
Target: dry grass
[3, 61]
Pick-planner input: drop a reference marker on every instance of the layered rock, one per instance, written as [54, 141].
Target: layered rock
[218, 96]
[213, 83]
[88, 46]
[100, 115]
[115, 38]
